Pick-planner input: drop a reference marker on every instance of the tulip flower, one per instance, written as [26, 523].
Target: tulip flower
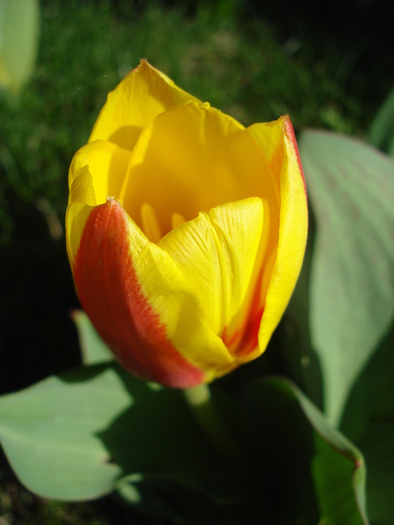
[185, 231]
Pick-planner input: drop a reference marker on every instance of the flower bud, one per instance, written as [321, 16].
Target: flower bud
[185, 231]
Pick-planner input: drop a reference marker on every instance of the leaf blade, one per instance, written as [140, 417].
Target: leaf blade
[351, 187]
[336, 467]
[35, 430]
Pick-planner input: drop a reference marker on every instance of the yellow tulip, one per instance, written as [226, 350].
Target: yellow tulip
[185, 231]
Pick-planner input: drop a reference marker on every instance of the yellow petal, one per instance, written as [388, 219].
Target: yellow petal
[150, 224]
[76, 216]
[96, 174]
[176, 220]
[192, 159]
[217, 254]
[142, 95]
[278, 141]
[105, 165]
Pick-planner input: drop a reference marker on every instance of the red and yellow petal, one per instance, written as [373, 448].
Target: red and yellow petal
[95, 174]
[278, 141]
[162, 308]
[142, 305]
[117, 306]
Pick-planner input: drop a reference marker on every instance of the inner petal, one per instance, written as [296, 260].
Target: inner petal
[192, 159]
[234, 332]
[176, 220]
[150, 224]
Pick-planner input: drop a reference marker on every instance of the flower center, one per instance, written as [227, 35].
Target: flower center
[150, 223]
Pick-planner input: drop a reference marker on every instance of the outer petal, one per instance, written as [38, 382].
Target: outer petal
[107, 163]
[278, 142]
[96, 173]
[217, 253]
[141, 304]
[142, 95]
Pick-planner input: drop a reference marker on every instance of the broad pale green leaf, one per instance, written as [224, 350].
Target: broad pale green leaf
[19, 33]
[351, 188]
[381, 134]
[299, 448]
[50, 433]
[90, 431]
[78, 435]
[93, 348]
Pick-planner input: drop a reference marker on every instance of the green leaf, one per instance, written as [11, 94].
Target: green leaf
[78, 435]
[372, 395]
[369, 419]
[351, 188]
[302, 365]
[300, 449]
[93, 348]
[381, 134]
[85, 433]
[378, 446]
[89, 431]
[50, 433]
[19, 33]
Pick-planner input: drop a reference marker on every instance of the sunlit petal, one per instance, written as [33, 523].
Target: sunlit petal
[284, 158]
[149, 92]
[216, 253]
[97, 172]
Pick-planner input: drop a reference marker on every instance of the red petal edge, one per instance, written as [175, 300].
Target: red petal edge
[111, 296]
[245, 339]
[289, 130]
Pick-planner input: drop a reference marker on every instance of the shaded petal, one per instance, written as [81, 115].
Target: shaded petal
[142, 95]
[141, 303]
[278, 141]
[192, 159]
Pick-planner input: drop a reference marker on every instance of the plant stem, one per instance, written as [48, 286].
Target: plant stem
[200, 402]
